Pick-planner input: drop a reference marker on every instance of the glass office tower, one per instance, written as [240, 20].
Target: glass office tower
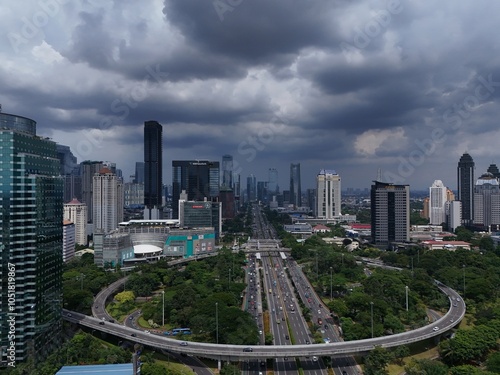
[31, 237]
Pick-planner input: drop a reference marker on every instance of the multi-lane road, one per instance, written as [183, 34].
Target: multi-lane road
[286, 324]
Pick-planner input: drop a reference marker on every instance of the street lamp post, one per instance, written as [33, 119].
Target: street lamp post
[371, 306]
[317, 273]
[163, 310]
[463, 268]
[217, 322]
[406, 288]
[331, 294]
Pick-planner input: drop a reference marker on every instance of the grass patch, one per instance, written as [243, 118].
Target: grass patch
[420, 350]
[143, 322]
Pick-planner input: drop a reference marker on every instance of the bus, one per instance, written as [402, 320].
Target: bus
[181, 331]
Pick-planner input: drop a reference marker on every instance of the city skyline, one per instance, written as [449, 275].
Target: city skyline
[354, 87]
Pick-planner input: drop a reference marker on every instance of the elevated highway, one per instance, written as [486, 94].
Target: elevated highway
[236, 352]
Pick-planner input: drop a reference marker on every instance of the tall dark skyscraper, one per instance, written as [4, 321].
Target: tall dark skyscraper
[295, 189]
[88, 169]
[227, 172]
[31, 242]
[153, 152]
[199, 178]
[465, 174]
[390, 213]
[493, 169]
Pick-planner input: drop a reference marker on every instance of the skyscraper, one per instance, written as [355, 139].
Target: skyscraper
[76, 212]
[272, 185]
[153, 152]
[437, 202]
[295, 189]
[88, 169]
[251, 188]
[465, 174]
[31, 238]
[487, 201]
[227, 172]
[328, 194]
[199, 178]
[493, 169]
[390, 213]
[139, 172]
[108, 201]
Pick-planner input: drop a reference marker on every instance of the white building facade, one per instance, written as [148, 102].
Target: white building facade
[76, 212]
[108, 201]
[328, 194]
[437, 203]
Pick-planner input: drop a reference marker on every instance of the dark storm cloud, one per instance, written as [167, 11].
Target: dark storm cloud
[257, 31]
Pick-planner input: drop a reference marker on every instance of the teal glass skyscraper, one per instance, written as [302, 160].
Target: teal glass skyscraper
[31, 213]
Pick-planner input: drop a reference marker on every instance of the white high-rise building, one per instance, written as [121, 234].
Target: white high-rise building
[68, 240]
[454, 214]
[108, 201]
[437, 202]
[328, 199]
[487, 201]
[76, 212]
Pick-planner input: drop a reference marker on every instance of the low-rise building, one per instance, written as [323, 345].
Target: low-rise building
[445, 245]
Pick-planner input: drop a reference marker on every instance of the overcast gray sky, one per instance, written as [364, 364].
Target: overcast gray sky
[404, 86]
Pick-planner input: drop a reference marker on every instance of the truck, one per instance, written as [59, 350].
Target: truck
[320, 321]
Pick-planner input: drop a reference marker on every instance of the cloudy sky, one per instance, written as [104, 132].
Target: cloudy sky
[402, 86]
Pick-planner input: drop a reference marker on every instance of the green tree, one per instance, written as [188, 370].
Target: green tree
[493, 362]
[376, 361]
[425, 366]
[153, 369]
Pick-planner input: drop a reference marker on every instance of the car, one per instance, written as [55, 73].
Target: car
[130, 318]
[308, 342]
[133, 335]
[183, 343]
[319, 311]
[283, 318]
[111, 320]
[103, 319]
[315, 359]
[455, 305]
[248, 350]
[287, 337]
[458, 299]
[435, 329]
[326, 326]
[260, 332]
[101, 323]
[344, 372]
[69, 314]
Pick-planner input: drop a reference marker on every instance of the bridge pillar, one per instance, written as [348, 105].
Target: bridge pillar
[219, 365]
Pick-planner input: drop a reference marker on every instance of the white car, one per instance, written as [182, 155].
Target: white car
[435, 329]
